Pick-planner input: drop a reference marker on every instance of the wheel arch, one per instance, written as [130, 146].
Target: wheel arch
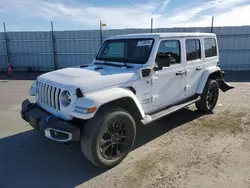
[215, 75]
[120, 97]
[126, 103]
[211, 73]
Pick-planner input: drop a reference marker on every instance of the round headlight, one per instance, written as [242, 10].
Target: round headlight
[65, 98]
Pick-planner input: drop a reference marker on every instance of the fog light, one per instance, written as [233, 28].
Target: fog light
[58, 135]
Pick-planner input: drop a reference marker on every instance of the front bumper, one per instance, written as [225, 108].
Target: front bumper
[51, 126]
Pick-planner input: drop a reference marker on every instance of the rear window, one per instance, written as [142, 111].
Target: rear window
[193, 49]
[210, 47]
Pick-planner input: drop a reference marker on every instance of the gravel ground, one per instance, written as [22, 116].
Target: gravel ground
[185, 149]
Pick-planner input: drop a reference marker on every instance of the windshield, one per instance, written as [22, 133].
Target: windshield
[126, 50]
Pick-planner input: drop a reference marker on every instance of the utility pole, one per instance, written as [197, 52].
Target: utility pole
[152, 25]
[212, 25]
[6, 43]
[101, 25]
[100, 32]
[53, 46]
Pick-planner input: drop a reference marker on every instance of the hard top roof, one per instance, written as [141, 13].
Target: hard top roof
[162, 35]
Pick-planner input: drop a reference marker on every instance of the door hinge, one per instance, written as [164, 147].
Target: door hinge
[187, 87]
[154, 79]
[154, 98]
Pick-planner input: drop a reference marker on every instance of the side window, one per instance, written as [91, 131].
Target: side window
[210, 47]
[171, 47]
[193, 49]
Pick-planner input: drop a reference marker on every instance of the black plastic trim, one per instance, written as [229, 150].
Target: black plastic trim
[146, 72]
[41, 120]
[79, 93]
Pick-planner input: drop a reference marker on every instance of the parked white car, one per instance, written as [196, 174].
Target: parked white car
[133, 78]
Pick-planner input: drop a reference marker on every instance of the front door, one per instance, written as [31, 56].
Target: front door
[168, 83]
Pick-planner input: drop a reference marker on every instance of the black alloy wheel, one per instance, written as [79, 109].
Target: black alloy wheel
[113, 141]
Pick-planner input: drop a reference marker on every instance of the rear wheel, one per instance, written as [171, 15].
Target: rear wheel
[209, 97]
[107, 138]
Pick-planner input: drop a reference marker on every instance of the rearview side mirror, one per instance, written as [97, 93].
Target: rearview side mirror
[164, 60]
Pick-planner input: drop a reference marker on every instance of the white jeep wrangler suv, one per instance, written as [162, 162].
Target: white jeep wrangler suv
[133, 78]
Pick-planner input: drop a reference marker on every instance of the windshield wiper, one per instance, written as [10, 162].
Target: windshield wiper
[106, 63]
[126, 65]
[102, 63]
[122, 60]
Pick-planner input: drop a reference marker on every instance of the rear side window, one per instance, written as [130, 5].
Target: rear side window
[210, 47]
[193, 49]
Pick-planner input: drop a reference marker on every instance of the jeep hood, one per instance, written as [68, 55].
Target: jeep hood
[90, 78]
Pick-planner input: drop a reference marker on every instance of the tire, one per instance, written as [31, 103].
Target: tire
[108, 137]
[209, 97]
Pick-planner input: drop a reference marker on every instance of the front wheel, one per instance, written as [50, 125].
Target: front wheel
[209, 97]
[108, 137]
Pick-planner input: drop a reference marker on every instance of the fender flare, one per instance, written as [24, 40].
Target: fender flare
[207, 72]
[100, 98]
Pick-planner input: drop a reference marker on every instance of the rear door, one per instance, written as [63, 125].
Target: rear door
[194, 64]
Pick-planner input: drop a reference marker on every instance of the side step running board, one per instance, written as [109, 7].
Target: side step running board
[153, 117]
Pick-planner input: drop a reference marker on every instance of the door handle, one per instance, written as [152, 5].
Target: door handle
[181, 73]
[199, 68]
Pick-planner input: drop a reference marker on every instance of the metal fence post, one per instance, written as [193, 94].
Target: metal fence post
[53, 47]
[8, 54]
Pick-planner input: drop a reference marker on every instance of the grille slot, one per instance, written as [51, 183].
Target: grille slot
[49, 95]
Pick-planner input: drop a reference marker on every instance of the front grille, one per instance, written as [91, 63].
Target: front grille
[49, 95]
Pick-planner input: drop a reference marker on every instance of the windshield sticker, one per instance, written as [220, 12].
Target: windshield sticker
[145, 43]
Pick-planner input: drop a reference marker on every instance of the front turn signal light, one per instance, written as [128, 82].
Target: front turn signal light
[91, 110]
